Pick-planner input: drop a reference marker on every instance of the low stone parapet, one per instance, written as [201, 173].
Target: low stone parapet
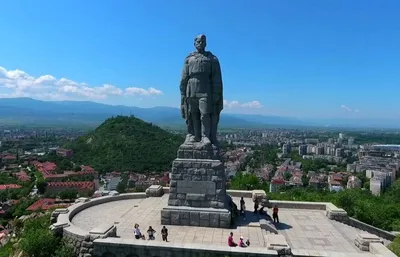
[335, 213]
[104, 230]
[56, 213]
[149, 248]
[82, 200]
[370, 229]
[240, 193]
[79, 239]
[379, 249]
[300, 205]
[261, 197]
[154, 191]
[83, 245]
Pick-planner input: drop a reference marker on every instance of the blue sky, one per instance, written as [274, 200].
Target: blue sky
[295, 58]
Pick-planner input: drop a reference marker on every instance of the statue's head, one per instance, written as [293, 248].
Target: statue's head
[200, 42]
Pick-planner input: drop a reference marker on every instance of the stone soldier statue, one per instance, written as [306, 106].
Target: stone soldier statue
[201, 94]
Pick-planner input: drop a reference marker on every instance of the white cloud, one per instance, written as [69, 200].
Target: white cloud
[345, 108]
[237, 104]
[348, 109]
[142, 91]
[17, 83]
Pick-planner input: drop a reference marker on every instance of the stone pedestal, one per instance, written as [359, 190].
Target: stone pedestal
[154, 191]
[197, 194]
[363, 240]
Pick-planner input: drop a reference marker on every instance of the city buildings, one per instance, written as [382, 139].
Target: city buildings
[353, 182]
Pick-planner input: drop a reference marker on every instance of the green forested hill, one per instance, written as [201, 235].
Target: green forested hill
[125, 143]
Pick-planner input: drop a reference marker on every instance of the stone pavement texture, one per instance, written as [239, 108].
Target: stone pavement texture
[307, 230]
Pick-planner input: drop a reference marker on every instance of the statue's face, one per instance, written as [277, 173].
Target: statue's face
[200, 44]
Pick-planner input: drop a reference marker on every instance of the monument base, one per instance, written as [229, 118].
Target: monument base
[198, 183]
[197, 190]
[198, 150]
[191, 216]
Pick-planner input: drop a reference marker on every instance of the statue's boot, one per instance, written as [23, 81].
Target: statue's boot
[196, 128]
[214, 119]
[189, 139]
[205, 140]
[206, 129]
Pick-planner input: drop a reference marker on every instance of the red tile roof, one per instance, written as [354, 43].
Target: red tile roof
[74, 184]
[47, 170]
[335, 183]
[9, 157]
[9, 186]
[87, 168]
[337, 177]
[278, 181]
[22, 175]
[45, 204]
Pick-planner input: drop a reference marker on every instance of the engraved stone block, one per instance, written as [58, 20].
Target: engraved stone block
[181, 196]
[194, 219]
[165, 214]
[176, 176]
[204, 215]
[214, 219]
[196, 197]
[175, 218]
[174, 202]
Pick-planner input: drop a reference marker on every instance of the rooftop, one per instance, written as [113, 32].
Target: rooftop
[46, 204]
[9, 186]
[304, 229]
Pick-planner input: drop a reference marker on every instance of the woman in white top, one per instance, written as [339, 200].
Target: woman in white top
[138, 234]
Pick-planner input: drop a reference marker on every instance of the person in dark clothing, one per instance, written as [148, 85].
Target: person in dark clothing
[275, 214]
[151, 232]
[241, 202]
[164, 234]
[255, 206]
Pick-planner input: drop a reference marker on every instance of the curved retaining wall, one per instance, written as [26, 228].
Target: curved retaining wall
[81, 240]
[102, 241]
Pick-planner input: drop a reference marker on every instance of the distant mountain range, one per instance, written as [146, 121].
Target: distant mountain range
[28, 111]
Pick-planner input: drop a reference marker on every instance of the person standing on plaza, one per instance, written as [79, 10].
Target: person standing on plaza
[275, 214]
[164, 233]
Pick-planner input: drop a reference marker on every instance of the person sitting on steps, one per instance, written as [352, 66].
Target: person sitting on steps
[231, 243]
[151, 232]
[138, 234]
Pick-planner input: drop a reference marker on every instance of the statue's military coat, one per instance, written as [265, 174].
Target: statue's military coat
[202, 81]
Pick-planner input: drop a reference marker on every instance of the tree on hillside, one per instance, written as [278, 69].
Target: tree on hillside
[122, 186]
[395, 246]
[41, 186]
[126, 144]
[37, 240]
[245, 182]
[68, 194]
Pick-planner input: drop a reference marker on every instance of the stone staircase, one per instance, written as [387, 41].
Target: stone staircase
[268, 226]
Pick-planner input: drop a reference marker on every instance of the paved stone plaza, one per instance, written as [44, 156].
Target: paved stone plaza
[304, 229]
